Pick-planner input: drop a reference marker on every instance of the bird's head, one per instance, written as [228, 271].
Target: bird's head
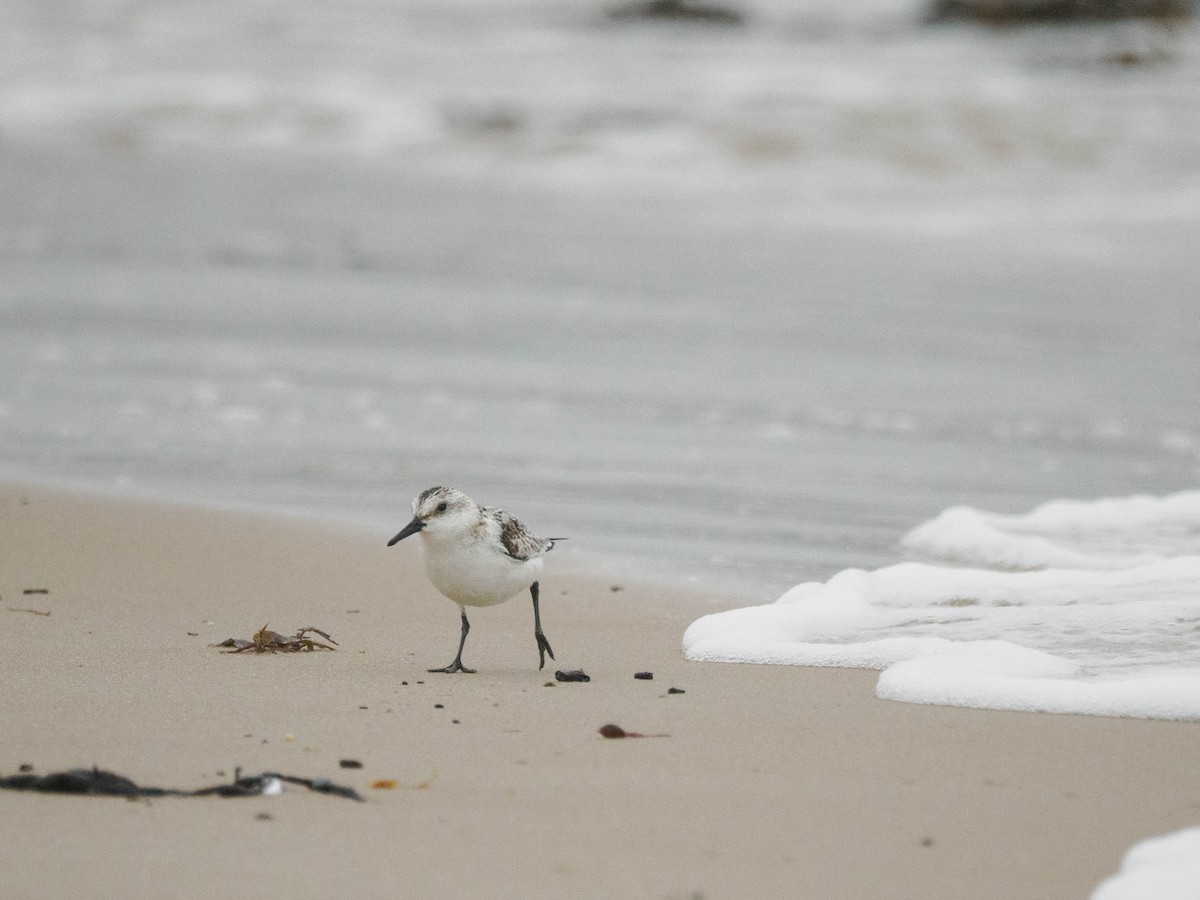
[439, 511]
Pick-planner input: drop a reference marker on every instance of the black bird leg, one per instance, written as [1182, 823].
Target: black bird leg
[542, 643]
[457, 665]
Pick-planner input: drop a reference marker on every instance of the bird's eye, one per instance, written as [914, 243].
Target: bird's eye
[441, 507]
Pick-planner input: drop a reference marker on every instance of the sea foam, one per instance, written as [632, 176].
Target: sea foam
[1164, 868]
[1089, 608]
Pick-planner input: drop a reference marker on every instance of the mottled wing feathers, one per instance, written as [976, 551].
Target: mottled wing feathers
[518, 542]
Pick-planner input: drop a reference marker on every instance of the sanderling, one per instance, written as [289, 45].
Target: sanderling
[477, 556]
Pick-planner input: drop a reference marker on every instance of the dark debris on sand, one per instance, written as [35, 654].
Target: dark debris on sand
[266, 641]
[92, 782]
[616, 732]
[96, 782]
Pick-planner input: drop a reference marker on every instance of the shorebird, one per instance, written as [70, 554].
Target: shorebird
[477, 556]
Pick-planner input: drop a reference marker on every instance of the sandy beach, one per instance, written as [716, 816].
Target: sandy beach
[771, 781]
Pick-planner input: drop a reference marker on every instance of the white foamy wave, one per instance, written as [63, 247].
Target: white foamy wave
[1101, 534]
[224, 109]
[854, 91]
[1163, 868]
[1104, 631]
[1000, 675]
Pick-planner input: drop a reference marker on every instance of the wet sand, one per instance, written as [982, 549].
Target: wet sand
[772, 781]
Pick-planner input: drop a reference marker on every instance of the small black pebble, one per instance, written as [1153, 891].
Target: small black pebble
[362, 707]
[676, 691]
[572, 675]
[643, 676]
[264, 817]
[439, 706]
[455, 722]
[193, 634]
[25, 767]
[404, 683]
[349, 764]
[615, 588]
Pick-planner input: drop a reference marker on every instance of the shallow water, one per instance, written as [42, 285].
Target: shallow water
[740, 310]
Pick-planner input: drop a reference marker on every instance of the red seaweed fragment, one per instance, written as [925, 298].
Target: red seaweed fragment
[616, 731]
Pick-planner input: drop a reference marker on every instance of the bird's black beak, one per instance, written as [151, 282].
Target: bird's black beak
[411, 528]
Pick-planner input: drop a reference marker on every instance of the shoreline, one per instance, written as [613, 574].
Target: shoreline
[774, 780]
[568, 559]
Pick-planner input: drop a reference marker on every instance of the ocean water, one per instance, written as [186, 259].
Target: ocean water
[731, 307]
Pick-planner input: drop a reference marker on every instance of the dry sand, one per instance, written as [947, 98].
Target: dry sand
[773, 782]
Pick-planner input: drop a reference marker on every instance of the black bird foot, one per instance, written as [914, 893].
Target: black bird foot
[543, 649]
[457, 666]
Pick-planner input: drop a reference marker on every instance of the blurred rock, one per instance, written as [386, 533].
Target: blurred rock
[675, 11]
[1019, 12]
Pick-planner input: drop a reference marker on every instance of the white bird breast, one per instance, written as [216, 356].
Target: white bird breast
[473, 573]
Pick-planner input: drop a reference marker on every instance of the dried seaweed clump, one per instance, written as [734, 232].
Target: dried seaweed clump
[265, 641]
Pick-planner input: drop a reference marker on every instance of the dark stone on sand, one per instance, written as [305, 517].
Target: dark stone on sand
[616, 731]
[571, 675]
[676, 691]
[643, 676]
[350, 764]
